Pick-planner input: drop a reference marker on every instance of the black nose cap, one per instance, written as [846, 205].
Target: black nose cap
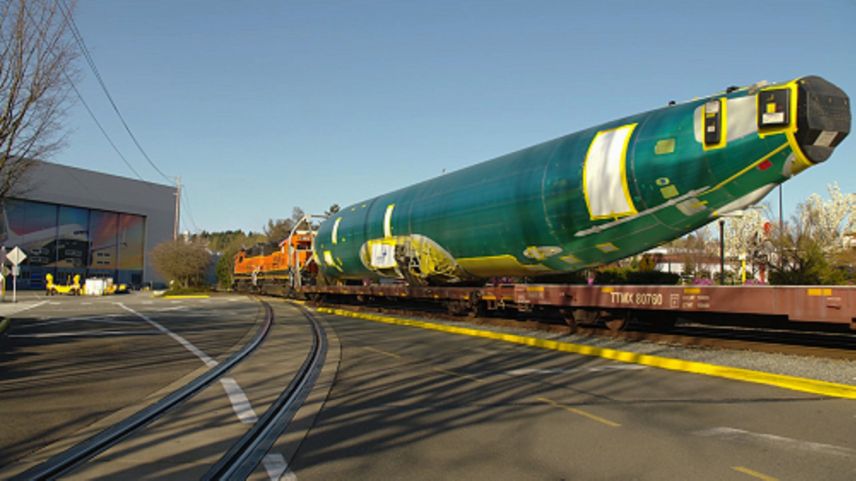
[823, 117]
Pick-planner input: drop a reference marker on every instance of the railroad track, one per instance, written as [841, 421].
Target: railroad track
[245, 454]
[832, 345]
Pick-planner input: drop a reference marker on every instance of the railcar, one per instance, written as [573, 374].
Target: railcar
[591, 197]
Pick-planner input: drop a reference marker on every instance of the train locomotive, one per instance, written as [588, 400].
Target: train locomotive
[254, 269]
[591, 197]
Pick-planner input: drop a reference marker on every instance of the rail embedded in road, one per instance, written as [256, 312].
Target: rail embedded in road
[245, 455]
[81, 453]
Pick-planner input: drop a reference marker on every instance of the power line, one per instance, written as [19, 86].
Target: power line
[89, 60]
[187, 207]
[86, 105]
[101, 128]
[78, 37]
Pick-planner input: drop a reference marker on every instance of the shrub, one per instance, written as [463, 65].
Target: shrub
[183, 262]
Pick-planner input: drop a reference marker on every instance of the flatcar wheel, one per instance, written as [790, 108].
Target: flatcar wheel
[617, 323]
[474, 307]
[572, 324]
[570, 320]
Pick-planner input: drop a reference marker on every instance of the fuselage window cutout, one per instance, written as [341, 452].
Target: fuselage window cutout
[774, 109]
[713, 115]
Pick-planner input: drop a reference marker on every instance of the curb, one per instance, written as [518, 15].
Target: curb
[188, 296]
[783, 381]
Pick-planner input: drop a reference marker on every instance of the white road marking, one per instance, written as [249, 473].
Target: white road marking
[277, 468]
[184, 342]
[53, 303]
[12, 313]
[43, 335]
[740, 435]
[86, 319]
[174, 308]
[617, 367]
[240, 402]
[606, 367]
[526, 371]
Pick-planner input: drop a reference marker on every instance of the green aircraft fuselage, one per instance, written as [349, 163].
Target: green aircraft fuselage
[591, 197]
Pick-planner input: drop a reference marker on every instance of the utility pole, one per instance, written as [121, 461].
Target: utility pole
[177, 208]
[781, 232]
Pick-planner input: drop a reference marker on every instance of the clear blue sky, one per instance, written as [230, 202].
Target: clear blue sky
[262, 106]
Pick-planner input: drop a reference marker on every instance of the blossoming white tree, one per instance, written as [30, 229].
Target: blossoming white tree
[829, 221]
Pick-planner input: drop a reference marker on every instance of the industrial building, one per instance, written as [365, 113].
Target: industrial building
[75, 221]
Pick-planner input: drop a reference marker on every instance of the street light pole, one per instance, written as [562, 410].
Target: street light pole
[781, 215]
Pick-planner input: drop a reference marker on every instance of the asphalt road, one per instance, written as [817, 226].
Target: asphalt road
[416, 404]
[188, 440]
[69, 363]
[405, 403]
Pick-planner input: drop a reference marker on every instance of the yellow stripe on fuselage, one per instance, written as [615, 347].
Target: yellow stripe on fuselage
[746, 169]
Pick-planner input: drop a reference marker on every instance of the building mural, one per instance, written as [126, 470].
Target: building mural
[64, 241]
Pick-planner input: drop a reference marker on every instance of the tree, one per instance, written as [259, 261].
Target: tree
[693, 250]
[225, 269]
[745, 235]
[36, 59]
[803, 262]
[829, 221]
[183, 262]
[297, 214]
[278, 229]
[813, 247]
[227, 244]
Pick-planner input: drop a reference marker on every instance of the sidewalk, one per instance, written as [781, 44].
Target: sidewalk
[26, 300]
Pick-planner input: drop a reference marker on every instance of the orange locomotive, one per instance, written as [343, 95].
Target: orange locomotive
[288, 266]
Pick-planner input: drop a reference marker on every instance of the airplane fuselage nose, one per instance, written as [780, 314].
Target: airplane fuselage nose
[823, 117]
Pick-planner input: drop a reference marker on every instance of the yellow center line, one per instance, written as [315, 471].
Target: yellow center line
[580, 412]
[378, 351]
[754, 474]
[453, 373]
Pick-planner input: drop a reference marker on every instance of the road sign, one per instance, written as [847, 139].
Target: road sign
[17, 256]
